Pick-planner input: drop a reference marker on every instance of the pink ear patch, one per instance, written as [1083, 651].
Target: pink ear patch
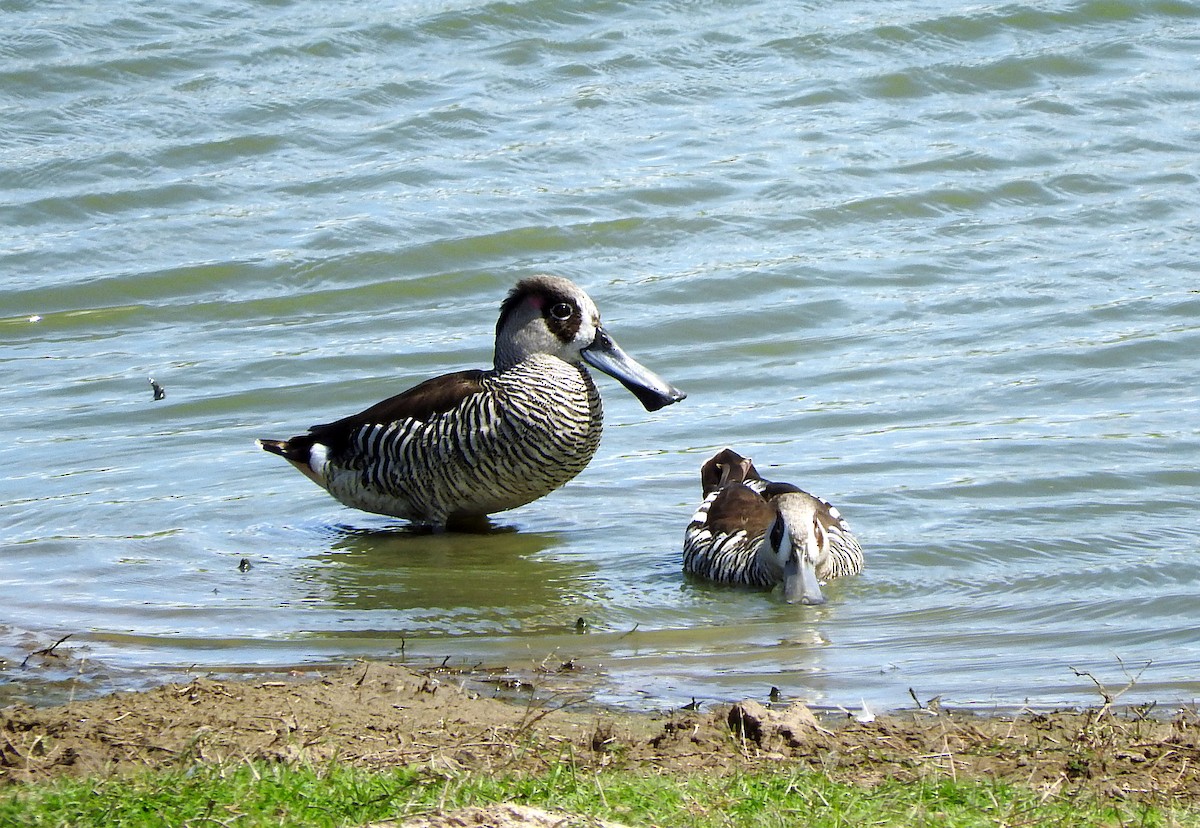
[537, 301]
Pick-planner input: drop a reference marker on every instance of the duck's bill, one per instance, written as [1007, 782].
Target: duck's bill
[800, 584]
[651, 390]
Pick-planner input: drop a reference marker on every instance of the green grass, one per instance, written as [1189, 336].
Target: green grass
[274, 795]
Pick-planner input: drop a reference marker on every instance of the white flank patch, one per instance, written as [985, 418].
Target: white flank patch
[317, 456]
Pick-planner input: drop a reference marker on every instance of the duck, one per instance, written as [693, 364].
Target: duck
[758, 533]
[459, 447]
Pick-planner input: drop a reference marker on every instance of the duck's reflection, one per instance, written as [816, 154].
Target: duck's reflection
[451, 578]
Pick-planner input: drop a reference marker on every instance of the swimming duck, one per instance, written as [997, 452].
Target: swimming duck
[464, 445]
[754, 532]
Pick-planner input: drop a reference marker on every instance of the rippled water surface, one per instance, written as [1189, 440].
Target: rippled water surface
[935, 262]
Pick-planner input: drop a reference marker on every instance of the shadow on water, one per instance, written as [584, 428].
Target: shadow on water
[450, 576]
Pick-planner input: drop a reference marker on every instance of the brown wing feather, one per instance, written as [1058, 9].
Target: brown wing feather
[421, 402]
[433, 396]
[738, 508]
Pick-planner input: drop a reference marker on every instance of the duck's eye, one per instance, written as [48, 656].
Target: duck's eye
[561, 311]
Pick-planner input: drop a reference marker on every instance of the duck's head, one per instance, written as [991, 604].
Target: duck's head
[552, 315]
[798, 545]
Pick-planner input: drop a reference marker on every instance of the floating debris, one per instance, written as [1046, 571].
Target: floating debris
[159, 391]
[866, 716]
[46, 651]
[35, 318]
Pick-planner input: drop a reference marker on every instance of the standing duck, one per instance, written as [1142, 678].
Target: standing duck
[754, 532]
[459, 447]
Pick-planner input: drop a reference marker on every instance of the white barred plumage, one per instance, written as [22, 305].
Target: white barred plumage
[753, 532]
[464, 445]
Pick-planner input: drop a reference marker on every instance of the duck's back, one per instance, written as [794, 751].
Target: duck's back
[722, 540]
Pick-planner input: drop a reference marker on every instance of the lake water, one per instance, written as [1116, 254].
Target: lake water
[937, 262]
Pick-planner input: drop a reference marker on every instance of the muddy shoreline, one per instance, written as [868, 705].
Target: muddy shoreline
[383, 715]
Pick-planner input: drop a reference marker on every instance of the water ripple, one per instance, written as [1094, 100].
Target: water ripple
[938, 266]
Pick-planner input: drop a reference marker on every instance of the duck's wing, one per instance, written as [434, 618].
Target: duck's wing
[725, 534]
[421, 402]
[735, 508]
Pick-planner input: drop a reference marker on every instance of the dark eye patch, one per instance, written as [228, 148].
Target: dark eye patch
[562, 316]
[777, 530]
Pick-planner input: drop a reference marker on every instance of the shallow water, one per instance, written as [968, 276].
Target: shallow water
[937, 264]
